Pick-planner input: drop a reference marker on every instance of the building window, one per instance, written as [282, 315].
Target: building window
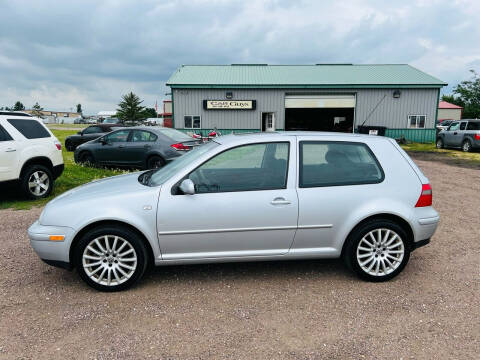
[191, 122]
[417, 121]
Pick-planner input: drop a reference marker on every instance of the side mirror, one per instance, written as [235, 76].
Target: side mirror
[188, 187]
[103, 141]
[80, 133]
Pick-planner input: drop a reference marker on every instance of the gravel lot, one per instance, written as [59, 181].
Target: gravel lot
[288, 310]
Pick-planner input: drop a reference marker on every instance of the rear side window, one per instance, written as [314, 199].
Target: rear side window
[4, 135]
[143, 136]
[463, 125]
[473, 126]
[31, 129]
[330, 163]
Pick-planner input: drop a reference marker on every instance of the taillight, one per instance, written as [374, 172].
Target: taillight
[179, 146]
[58, 145]
[477, 136]
[426, 197]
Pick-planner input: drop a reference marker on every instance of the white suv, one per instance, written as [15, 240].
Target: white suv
[29, 154]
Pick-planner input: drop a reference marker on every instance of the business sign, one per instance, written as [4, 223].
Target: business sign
[229, 104]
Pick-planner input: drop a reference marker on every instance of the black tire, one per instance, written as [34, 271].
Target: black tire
[69, 146]
[354, 239]
[466, 146]
[440, 144]
[155, 162]
[87, 158]
[122, 233]
[28, 177]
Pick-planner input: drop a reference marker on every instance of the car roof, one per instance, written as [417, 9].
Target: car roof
[328, 136]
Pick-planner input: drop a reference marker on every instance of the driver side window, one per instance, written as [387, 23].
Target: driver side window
[454, 126]
[117, 136]
[244, 168]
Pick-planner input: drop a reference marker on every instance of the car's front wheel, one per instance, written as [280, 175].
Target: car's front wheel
[440, 144]
[377, 250]
[110, 258]
[87, 158]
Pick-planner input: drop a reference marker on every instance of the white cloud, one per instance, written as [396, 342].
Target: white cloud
[93, 52]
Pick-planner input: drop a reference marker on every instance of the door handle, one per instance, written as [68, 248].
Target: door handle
[147, 146]
[10, 150]
[120, 146]
[280, 201]
[455, 133]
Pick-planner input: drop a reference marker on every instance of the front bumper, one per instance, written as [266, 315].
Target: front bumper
[52, 252]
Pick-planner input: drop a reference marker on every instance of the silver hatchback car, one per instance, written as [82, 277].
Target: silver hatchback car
[270, 196]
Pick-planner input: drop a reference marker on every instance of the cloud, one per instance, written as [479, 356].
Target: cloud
[60, 53]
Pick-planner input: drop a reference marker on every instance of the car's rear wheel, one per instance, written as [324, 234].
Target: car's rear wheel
[440, 144]
[155, 162]
[377, 250]
[467, 146]
[36, 182]
[87, 158]
[110, 258]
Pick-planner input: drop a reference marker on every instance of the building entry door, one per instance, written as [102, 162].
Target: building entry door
[268, 121]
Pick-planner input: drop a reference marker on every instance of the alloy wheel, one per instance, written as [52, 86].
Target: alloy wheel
[38, 183]
[466, 146]
[109, 260]
[380, 252]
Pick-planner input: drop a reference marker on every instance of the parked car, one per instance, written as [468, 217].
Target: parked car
[29, 155]
[443, 125]
[270, 196]
[464, 134]
[112, 121]
[87, 134]
[153, 122]
[141, 147]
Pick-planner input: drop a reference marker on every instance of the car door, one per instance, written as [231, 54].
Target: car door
[111, 149]
[245, 205]
[451, 133]
[8, 155]
[335, 178]
[139, 143]
[458, 135]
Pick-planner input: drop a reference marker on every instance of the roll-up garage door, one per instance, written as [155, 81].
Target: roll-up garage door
[319, 101]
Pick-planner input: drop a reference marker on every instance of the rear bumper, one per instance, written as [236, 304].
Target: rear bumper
[58, 170]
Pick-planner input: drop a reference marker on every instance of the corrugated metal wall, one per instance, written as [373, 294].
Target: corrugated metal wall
[378, 105]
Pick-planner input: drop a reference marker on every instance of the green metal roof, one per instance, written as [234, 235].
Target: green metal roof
[301, 76]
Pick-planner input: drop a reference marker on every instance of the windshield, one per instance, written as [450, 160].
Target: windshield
[166, 172]
[174, 134]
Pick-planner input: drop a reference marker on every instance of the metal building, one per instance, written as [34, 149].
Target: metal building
[323, 97]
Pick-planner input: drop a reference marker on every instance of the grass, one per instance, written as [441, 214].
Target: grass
[454, 154]
[73, 175]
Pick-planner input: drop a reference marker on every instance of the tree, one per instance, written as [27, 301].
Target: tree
[130, 109]
[79, 108]
[453, 100]
[37, 110]
[469, 94]
[18, 106]
[150, 113]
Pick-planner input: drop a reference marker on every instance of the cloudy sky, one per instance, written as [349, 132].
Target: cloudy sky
[61, 53]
